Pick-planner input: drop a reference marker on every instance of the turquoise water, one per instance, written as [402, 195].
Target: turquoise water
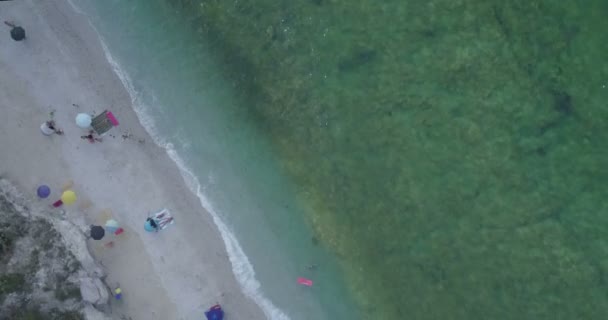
[449, 155]
[191, 108]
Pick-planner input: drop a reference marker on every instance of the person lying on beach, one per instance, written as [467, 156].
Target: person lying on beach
[51, 125]
[90, 137]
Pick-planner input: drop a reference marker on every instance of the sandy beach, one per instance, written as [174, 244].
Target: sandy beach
[61, 67]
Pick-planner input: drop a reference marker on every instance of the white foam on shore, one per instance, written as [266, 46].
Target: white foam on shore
[241, 267]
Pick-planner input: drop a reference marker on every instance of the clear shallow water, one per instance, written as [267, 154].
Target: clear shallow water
[189, 106]
[451, 153]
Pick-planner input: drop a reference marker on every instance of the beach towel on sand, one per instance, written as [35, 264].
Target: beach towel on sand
[163, 219]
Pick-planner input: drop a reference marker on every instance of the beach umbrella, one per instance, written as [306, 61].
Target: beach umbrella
[148, 226]
[18, 33]
[111, 225]
[97, 232]
[83, 120]
[68, 197]
[215, 313]
[43, 191]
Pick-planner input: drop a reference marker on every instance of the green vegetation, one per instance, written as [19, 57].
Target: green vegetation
[32, 313]
[68, 291]
[27, 314]
[32, 247]
[66, 315]
[453, 151]
[11, 282]
[10, 230]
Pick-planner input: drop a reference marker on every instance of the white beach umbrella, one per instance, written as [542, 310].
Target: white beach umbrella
[83, 120]
[112, 225]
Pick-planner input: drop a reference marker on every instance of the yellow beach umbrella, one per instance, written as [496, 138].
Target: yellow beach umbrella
[68, 197]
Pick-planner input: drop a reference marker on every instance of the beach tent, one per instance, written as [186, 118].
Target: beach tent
[215, 313]
[104, 122]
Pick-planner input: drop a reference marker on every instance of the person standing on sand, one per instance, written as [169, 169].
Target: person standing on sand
[90, 137]
[118, 292]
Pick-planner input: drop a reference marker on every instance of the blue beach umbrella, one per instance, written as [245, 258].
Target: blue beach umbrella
[148, 226]
[43, 191]
[215, 313]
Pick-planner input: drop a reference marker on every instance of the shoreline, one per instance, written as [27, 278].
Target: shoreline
[241, 266]
[163, 276]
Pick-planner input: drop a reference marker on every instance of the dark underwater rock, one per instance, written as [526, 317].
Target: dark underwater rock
[357, 59]
[562, 103]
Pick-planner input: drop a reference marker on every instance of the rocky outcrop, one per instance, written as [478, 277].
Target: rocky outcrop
[46, 270]
[90, 313]
[94, 291]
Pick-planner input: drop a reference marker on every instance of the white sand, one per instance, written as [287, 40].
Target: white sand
[173, 274]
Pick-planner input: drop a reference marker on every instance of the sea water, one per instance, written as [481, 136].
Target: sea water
[190, 107]
[449, 155]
